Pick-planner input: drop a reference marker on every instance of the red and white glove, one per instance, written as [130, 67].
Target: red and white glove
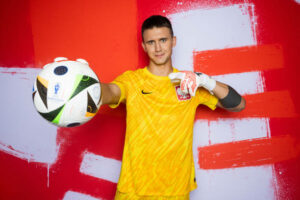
[190, 81]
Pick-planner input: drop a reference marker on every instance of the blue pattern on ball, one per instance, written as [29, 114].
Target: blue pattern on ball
[61, 70]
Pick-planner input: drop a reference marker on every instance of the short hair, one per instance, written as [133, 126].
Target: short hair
[157, 21]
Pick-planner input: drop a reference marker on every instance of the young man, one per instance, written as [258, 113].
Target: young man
[161, 103]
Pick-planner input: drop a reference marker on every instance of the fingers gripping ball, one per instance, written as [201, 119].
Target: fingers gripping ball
[67, 93]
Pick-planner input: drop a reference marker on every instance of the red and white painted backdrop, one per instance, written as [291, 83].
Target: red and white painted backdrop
[251, 45]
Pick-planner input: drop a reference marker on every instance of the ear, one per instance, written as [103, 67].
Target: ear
[174, 41]
[144, 46]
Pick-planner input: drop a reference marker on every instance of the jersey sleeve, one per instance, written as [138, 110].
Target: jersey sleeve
[206, 98]
[122, 82]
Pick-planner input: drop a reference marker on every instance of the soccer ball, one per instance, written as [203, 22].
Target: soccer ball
[67, 93]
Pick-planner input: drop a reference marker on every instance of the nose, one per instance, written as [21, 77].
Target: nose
[157, 46]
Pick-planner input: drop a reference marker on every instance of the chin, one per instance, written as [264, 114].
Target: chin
[160, 62]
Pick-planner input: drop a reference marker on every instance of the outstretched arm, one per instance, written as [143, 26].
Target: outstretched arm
[111, 93]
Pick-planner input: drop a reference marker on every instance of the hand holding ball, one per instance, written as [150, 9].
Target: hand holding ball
[67, 93]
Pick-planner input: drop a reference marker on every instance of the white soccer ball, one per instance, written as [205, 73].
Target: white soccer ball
[67, 93]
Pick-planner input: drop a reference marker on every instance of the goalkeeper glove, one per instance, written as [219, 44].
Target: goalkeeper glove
[190, 81]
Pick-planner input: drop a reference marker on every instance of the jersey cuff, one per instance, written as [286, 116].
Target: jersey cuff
[213, 103]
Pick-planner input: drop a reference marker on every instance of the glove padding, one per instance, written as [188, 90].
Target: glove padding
[190, 81]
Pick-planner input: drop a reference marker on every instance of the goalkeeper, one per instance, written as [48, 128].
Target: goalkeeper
[161, 104]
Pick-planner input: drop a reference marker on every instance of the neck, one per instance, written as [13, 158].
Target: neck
[160, 70]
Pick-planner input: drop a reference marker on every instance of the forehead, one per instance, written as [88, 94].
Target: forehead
[156, 33]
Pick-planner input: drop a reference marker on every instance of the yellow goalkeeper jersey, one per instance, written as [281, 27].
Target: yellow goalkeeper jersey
[157, 157]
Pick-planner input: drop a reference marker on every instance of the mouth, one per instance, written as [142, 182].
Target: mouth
[159, 55]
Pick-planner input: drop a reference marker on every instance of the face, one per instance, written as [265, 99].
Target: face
[158, 44]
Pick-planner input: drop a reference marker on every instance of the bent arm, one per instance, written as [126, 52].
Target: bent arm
[229, 99]
[111, 93]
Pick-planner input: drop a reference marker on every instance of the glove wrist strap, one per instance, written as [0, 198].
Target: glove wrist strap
[209, 84]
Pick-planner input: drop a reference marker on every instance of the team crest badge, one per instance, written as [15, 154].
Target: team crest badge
[180, 95]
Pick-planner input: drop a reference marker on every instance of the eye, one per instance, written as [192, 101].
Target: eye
[151, 42]
[163, 40]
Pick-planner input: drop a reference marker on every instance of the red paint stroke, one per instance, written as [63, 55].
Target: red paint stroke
[16, 46]
[12, 72]
[268, 104]
[248, 153]
[237, 60]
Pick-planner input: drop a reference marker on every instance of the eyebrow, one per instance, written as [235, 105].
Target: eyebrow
[163, 38]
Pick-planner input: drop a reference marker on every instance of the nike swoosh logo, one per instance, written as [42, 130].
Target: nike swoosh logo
[143, 92]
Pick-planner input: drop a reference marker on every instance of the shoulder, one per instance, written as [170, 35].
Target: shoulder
[175, 69]
[133, 72]
[129, 76]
